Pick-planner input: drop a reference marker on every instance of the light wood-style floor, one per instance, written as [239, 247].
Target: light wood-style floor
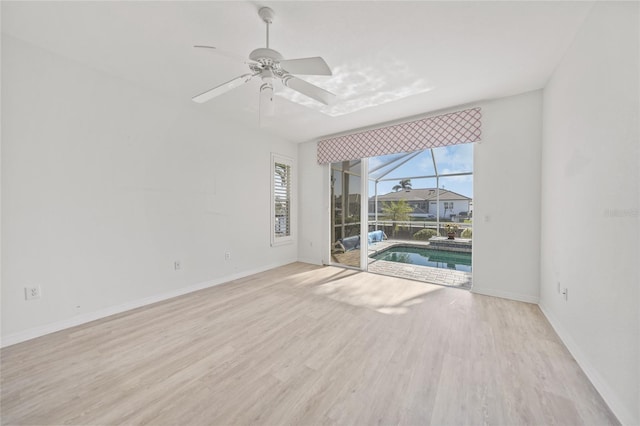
[303, 344]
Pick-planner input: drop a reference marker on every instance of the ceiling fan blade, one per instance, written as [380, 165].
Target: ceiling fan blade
[220, 52]
[225, 87]
[308, 89]
[306, 66]
[203, 46]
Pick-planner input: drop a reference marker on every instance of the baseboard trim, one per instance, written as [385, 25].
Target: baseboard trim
[310, 261]
[506, 295]
[35, 332]
[621, 412]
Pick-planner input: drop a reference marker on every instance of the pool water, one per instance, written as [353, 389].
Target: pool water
[426, 257]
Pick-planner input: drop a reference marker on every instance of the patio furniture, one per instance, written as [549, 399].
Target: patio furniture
[348, 244]
[351, 243]
[376, 236]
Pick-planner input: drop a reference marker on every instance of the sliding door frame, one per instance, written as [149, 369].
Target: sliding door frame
[364, 214]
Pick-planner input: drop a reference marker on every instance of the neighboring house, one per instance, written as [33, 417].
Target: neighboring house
[424, 202]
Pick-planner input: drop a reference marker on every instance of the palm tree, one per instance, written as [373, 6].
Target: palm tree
[396, 211]
[405, 185]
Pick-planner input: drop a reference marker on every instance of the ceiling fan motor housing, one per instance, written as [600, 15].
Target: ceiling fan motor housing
[266, 57]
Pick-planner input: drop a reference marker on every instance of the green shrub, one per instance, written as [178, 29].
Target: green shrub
[424, 234]
[466, 233]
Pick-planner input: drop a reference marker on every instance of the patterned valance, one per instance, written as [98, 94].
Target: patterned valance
[448, 129]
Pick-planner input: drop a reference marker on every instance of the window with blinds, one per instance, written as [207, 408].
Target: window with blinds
[281, 199]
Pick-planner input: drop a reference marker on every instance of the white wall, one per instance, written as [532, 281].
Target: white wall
[506, 199]
[506, 254]
[590, 209]
[105, 185]
[313, 202]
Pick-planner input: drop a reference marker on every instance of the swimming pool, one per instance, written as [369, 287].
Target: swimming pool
[426, 257]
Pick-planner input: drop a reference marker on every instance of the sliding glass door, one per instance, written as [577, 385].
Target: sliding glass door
[346, 217]
[419, 199]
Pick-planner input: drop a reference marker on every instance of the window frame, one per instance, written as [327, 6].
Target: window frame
[279, 240]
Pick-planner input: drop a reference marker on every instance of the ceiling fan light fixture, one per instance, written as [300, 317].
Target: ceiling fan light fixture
[267, 104]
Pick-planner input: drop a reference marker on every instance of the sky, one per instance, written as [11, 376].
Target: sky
[449, 159]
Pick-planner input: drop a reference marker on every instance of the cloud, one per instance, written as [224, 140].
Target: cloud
[375, 162]
[426, 164]
[455, 158]
[467, 178]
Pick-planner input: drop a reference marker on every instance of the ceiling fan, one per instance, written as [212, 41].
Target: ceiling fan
[270, 65]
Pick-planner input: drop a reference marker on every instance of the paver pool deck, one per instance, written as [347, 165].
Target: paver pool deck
[448, 277]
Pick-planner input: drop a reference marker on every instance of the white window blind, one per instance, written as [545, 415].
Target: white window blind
[281, 200]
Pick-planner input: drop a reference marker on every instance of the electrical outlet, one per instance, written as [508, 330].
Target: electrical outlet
[227, 255]
[31, 293]
[177, 265]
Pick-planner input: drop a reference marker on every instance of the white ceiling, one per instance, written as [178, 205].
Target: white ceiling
[447, 53]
